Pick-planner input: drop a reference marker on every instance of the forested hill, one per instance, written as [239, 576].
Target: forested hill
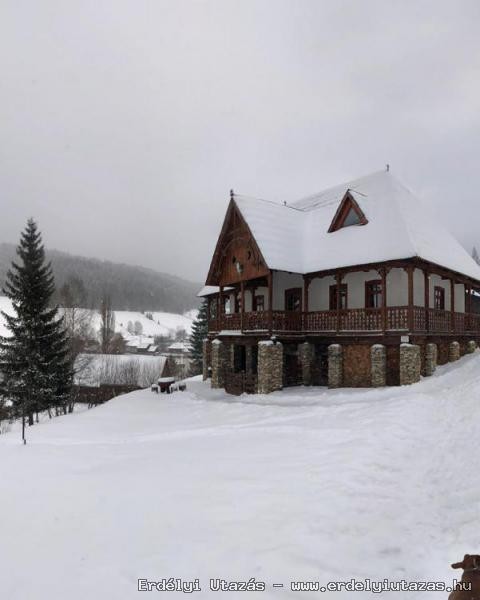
[129, 287]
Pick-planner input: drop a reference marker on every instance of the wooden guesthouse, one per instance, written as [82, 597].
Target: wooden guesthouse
[359, 285]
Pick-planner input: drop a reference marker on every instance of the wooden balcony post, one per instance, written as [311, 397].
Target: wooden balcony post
[452, 304]
[242, 303]
[306, 285]
[410, 298]
[468, 308]
[383, 275]
[220, 308]
[270, 301]
[426, 285]
[338, 278]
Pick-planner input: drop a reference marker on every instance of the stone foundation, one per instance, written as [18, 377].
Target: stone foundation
[306, 354]
[410, 364]
[270, 367]
[453, 351]
[335, 366]
[430, 359]
[378, 366]
[220, 360]
[471, 346]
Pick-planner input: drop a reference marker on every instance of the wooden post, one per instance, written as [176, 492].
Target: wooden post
[339, 278]
[383, 275]
[410, 298]
[306, 285]
[220, 308]
[452, 304]
[270, 301]
[426, 285]
[468, 308]
[242, 303]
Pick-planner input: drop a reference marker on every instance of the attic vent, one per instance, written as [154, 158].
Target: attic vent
[348, 214]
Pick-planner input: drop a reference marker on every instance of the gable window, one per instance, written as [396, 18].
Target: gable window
[373, 293]
[439, 298]
[348, 213]
[259, 303]
[293, 299]
[334, 304]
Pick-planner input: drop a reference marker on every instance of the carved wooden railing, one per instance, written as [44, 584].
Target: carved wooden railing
[397, 318]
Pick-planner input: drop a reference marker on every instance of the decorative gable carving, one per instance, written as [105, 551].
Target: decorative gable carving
[237, 256]
[348, 213]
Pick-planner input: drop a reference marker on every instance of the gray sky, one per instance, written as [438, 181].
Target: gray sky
[123, 124]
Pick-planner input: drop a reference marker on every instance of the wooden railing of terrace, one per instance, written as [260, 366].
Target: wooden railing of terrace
[395, 318]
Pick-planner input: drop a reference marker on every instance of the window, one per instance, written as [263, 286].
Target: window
[226, 304]
[259, 303]
[373, 293]
[348, 213]
[439, 298]
[293, 299]
[343, 297]
[238, 303]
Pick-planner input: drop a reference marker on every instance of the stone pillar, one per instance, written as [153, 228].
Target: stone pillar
[410, 364]
[270, 367]
[453, 351]
[306, 353]
[471, 346]
[335, 366]
[430, 359]
[220, 357]
[378, 354]
[205, 358]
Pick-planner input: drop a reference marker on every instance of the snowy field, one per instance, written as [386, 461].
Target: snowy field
[163, 323]
[304, 484]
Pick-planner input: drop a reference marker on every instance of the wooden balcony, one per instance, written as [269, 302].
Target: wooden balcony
[355, 320]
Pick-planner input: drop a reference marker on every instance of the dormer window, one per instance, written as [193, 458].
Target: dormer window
[348, 214]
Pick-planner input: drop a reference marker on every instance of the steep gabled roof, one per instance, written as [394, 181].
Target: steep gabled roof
[296, 237]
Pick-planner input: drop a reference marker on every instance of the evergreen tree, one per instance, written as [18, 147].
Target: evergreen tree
[199, 333]
[37, 373]
[107, 324]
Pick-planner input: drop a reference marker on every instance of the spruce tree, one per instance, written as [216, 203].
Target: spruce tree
[37, 372]
[199, 333]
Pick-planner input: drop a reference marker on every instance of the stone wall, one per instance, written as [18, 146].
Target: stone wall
[335, 366]
[410, 364]
[393, 365]
[378, 355]
[453, 351]
[442, 353]
[430, 359]
[221, 356]
[306, 354]
[270, 367]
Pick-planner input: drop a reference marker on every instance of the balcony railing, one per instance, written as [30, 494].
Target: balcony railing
[395, 318]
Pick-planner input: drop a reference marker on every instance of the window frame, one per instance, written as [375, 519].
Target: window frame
[259, 301]
[332, 296]
[296, 293]
[439, 294]
[370, 294]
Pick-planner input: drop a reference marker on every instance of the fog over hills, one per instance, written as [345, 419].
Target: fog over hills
[129, 287]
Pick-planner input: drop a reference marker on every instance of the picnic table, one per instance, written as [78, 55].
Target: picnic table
[164, 384]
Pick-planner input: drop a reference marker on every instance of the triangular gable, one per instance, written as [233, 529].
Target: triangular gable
[348, 213]
[237, 256]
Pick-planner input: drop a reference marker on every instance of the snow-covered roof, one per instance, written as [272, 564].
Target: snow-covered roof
[295, 237]
[180, 346]
[93, 370]
[208, 290]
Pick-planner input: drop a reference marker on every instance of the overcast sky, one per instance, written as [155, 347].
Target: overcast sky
[124, 124]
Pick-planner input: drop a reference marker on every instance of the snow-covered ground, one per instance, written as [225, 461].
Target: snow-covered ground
[163, 323]
[304, 484]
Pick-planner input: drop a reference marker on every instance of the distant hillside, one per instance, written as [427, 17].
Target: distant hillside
[129, 287]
